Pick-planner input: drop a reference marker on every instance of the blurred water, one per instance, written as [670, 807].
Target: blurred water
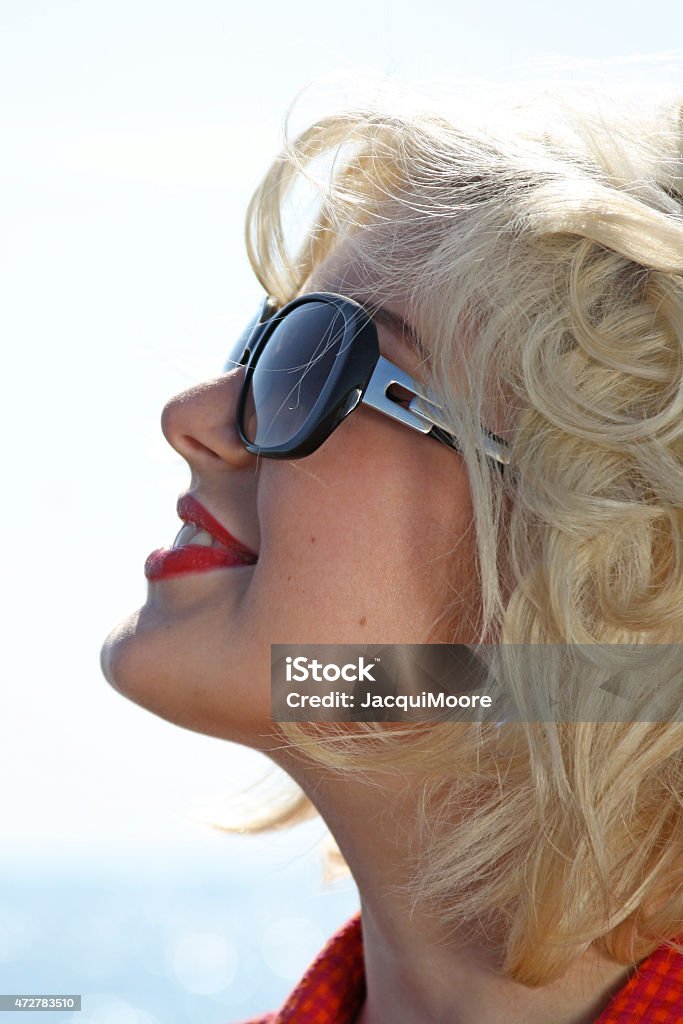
[210, 933]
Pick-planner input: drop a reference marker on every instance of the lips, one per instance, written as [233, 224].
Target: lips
[203, 544]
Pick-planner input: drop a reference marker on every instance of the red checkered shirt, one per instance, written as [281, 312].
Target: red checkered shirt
[333, 988]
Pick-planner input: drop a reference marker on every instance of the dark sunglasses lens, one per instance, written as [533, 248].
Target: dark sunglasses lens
[291, 372]
[238, 347]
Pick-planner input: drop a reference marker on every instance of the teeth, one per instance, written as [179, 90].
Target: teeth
[191, 534]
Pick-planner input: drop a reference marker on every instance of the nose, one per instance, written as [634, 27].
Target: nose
[201, 423]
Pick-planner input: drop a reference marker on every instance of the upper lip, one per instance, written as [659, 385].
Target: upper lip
[191, 511]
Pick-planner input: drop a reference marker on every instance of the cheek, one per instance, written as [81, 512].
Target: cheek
[361, 545]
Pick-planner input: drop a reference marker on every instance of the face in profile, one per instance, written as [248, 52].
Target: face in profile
[366, 540]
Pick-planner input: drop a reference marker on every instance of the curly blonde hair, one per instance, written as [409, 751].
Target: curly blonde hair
[539, 246]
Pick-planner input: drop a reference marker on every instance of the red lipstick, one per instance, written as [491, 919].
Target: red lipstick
[218, 550]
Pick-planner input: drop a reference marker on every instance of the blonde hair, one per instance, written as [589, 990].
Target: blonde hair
[540, 249]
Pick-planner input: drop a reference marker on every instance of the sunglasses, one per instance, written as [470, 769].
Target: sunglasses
[310, 364]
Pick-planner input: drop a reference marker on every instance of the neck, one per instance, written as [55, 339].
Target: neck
[411, 979]
[415, 971]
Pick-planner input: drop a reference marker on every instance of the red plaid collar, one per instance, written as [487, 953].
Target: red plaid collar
[653, 995]
[333, 988]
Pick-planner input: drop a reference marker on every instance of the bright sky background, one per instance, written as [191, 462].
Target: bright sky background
[132, 134]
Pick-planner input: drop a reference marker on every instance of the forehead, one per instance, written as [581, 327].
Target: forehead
[343, 272]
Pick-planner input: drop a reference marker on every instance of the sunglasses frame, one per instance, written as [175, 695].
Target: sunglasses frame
[360, 375]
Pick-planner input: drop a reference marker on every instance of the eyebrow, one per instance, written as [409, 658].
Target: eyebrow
[400, 326]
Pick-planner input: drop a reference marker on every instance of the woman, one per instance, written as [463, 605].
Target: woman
[524, 268]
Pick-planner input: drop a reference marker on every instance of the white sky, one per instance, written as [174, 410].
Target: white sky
[132, 133]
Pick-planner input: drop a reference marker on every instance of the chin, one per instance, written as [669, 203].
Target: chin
[143, 663]
[129, 665]
[109, 663]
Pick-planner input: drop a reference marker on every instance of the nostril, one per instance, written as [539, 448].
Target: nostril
[191, 444]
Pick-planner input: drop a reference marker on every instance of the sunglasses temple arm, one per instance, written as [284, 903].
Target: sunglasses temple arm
[423, 412]
[424, 405]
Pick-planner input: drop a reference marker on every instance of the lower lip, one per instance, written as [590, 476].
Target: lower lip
[166, 563]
